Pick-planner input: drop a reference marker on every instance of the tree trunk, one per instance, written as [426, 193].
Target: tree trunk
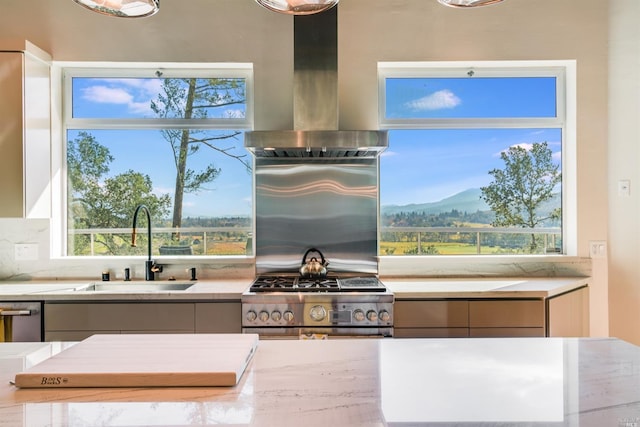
[181, 163]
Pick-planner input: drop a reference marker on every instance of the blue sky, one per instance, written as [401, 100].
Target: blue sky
[419, 166]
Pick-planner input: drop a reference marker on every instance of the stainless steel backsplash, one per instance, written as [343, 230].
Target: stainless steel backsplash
[331, 205]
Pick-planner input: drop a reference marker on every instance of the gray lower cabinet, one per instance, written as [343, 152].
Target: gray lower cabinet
[72, 321]
[218, 317]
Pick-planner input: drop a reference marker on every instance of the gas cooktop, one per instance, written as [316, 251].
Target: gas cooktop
[283, 283]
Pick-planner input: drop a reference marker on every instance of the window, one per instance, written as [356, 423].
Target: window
[168, 138]
[478, 160]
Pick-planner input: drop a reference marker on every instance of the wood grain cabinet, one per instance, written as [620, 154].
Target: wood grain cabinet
[70, 321]
[25, 130]
[431, 318]
[507, 318]
[565, 315]
[568, 314]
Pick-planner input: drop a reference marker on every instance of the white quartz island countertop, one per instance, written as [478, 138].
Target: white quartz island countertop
[370, 382]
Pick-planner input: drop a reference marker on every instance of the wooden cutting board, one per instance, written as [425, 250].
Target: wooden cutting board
[146, 360]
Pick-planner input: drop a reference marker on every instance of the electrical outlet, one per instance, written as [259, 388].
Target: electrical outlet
[624, 188]
[26, 251]
[597, 249]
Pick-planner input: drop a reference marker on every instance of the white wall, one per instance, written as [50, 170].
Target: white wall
[369, 31]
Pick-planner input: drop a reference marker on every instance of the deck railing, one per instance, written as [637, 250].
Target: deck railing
[469, 240]
[411, 240]
[201, 240]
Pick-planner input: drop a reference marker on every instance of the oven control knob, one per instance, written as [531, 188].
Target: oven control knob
[317, 313]
[263, 316]
[251, 315]
[384, 315]
[372, 316]
[276, 316]
[358, 315]
[288, 316]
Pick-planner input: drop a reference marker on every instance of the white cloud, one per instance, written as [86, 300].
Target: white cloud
[234, 114]
[442, 99]
[140, 107]
[526, 145]
[135, 94]
[107, 95]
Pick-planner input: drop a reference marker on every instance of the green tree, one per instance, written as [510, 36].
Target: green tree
[528, 180]
[99, 201]
[190, 99]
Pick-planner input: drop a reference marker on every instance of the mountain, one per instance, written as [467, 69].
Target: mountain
[466, 201]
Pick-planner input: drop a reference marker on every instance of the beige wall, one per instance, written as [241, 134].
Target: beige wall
[372, 31]
[624, 134]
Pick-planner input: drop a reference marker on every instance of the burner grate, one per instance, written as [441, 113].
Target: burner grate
[328, 284]
[294, 284]
[319, 285]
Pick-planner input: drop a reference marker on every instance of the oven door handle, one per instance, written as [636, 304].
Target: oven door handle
[15, 312]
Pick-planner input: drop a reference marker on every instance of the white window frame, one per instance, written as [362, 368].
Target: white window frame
[63, 120]
[565, 73]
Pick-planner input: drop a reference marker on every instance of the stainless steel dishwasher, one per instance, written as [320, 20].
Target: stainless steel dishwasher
[21, 321]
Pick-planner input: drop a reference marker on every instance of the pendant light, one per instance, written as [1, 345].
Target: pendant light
[298, 7]
[468, 3]
[122, 8]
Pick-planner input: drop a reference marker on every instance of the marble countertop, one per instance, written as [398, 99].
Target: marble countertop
[374, 382]
[402, 288]
[504, 287]
[67, 290]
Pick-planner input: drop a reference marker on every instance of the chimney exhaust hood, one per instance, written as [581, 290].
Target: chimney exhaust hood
[315, 101]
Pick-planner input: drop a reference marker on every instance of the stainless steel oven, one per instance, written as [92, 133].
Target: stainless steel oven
[299, 308]
[21, 321]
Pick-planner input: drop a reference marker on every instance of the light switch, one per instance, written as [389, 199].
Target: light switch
[597, 249]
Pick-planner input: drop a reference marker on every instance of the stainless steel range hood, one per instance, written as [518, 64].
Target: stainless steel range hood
[315, 101]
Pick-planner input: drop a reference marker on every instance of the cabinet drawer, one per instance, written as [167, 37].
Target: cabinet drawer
[431, 314]
[98, 317]
[506, 313]
[218, 317]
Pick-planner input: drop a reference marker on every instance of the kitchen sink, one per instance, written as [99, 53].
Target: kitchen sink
[135, 286]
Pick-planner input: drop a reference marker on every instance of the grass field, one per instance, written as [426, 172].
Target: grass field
[226, 248]
[404, 248]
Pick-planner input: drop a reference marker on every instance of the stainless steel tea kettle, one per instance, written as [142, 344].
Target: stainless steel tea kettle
[313, 267]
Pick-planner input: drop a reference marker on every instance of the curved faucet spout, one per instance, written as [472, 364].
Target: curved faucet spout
[150, 267]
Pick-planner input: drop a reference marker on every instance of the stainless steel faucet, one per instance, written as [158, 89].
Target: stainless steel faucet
[150, 267]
